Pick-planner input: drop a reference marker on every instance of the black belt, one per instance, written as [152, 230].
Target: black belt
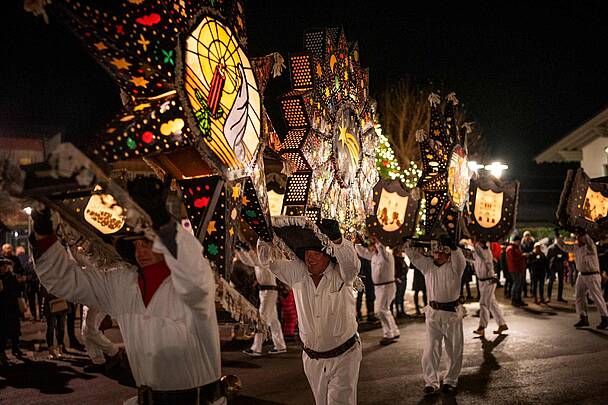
[343, 348]
[388, 282]
[268, 287]
[494, 280]
[589, 273]
[446, 306]
[203, 395]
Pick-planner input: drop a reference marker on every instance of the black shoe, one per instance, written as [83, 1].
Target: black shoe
[387, 341]
[604, 323]
[78, 346]
[429, 390]
[251, 353]
[584, 321]
[448, 389]
[18, 353]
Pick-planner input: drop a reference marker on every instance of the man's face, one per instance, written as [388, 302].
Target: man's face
[440, 257]
[7, 249]
[144, 254]
[20, 250]
[316, 262]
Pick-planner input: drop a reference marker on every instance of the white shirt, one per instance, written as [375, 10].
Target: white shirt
[484, 265]
[263, 275]
[326, 313]
[442, 282]
[585, 257]
[383, 263]
[173, 343]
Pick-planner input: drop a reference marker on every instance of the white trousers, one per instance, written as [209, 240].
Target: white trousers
[268, 313]
[95, 341]
[442, 326]
[593, 285]
[488, 305]
[385, 294]
[334, 381]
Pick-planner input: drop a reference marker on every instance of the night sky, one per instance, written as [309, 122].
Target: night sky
[528, 73]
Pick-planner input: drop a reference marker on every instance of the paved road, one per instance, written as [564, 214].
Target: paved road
[542, 359]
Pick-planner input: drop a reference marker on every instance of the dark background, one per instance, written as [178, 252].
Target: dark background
[527, 72]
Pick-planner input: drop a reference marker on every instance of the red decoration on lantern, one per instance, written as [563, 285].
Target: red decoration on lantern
[216, 87]
[201, 202]
[147, 137]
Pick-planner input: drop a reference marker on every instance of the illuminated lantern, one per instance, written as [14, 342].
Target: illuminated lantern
[192, 105]
[584, 204]
[445, 173]
[394, 213]
[103, 212]
[331, 140]
[492, 208]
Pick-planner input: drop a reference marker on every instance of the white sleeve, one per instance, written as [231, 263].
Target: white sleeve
[420, 261]
[458, 261]
[363, 252]
[64, 278]
[289, 272]
[347, 260]
[191, 273]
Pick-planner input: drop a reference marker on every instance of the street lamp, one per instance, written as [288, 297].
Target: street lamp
[496, 169]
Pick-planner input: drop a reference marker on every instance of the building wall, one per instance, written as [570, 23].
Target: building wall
[595, 158]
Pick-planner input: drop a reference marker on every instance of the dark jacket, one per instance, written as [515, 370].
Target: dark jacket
[538, 263]
[9, 305]
[557, 258]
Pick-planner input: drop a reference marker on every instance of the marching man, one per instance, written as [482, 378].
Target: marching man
[325, 300]
[383, 276]
[165, 309]
[484, 268]
[443, 275]
[588, 280]
[267, 283]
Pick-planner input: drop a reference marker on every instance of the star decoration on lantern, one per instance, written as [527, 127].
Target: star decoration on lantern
[193, 109]
[445, 172]
[330, 137]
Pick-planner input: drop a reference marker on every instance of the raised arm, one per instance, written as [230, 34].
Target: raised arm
[249, 258]
[347, 260]
[458, 261]
[288, 271]
[191, 273]
[363, 252]
[565, 247]
[420, 261]
[64, 278]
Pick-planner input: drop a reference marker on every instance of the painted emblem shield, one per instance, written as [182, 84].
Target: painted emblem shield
[391, 210]
[488, 207]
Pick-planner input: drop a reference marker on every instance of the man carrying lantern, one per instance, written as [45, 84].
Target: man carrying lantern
[165, 309]
[322, 273]
[442, 275]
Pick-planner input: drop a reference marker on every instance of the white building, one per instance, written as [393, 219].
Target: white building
[587, 145]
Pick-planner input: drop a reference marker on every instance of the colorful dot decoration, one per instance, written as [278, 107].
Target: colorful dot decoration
[435, 152]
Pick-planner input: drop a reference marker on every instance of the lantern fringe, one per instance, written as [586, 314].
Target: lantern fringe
[278, 65]
[36, 7]
[421, 135]
[434, 99]
[303, 222]
[452, 97]
[239, 308]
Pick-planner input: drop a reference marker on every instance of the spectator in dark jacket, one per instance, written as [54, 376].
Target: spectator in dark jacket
[10, 323]
[558, 260]
[401, 279]
[539, 267]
